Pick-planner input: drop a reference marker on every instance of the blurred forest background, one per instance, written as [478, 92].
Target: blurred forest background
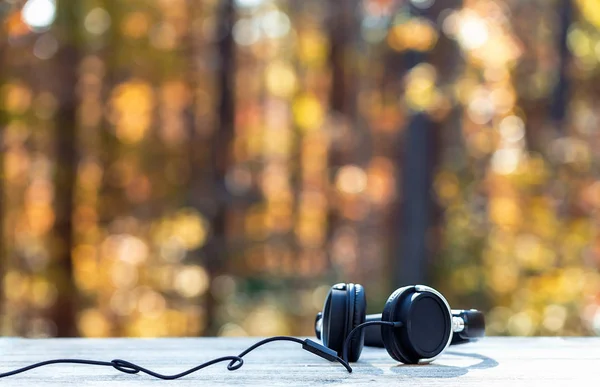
[211, 167]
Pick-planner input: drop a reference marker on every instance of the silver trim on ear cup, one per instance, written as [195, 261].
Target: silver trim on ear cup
[423, 288]
[319, 327]
[458, 324]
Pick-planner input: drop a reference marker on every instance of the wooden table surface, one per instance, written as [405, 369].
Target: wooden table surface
[493, 361]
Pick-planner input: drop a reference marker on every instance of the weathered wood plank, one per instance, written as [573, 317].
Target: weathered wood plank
[491, 362]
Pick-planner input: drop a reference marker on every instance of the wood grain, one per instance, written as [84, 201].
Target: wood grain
[493, 361]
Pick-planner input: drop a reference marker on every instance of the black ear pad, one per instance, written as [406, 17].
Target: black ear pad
[427, 324]
[344, 308]
[387, 335]
[357, 312]
[334, 317]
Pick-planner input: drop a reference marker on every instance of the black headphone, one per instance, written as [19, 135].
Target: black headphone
[416, 325]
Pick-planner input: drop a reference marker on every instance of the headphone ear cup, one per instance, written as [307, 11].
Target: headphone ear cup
[389, 339]
[359, 309]
[344, 309]
[334, 317]
[427, 324]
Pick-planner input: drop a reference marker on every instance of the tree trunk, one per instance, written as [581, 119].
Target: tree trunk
[342, 26]
[216, 249]
[67, 60]
[3, 260]
[560, 97]
[418, 214]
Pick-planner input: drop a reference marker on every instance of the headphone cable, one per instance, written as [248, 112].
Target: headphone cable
[235, 362]
[359, 327]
